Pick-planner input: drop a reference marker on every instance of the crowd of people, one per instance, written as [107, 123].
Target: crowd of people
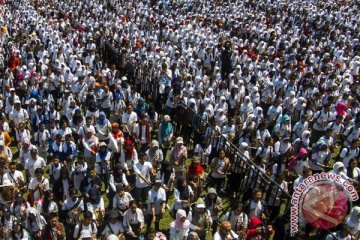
[115, 114]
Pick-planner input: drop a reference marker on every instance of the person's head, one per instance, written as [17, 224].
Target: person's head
[93, 194]
[120, 190]
[39, 172]
[328, 132]
[268, 141]
[17, 105]
[16, 226]
[222, 154]
[200, 208]
[88, 120]
[118, 169]
[212, 193]
[166, 119]
[21, 126]
[225, 228]
[129, 109]
[91, 171]
[132, 206]
[87, 217]
[113, 215]
[58, 138]
[115, 127]
[150, 234]
[181, 182]
[179, 141]
[73, 193]
[257, 195]
[53, 220]
[128, 144]
[41, 126]
[142, 157]
[68, 138]
[157, 184]
[154, 145]
[144, 119]
[49, 195]
[56, 161]
[64, 173]
[353, 163]
[12, 167]
[354, 144]
[80, 159]
[181, 215]
[64, 125]
[239, 208]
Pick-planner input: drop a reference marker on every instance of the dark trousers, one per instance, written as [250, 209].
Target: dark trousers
[141, 194]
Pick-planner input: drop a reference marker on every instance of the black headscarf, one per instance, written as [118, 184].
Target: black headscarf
[184, 191]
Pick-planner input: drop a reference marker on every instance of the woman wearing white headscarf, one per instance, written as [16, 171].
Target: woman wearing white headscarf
[35, 223]
[352, 221]
[222, 104]
[303, 141]
[339, 169]
[246, 108]
[209, 108]
[179, 228]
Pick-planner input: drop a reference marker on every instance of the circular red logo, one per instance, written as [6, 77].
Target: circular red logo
[324, 205]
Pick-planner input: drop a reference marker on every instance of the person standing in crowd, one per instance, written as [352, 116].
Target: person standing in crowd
[179, 228]
[263, 97]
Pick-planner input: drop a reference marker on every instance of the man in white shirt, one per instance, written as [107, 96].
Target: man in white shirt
[33, 163]
[256, 207]
[72, 208]
[129, 118]
[156, 204]
[133, 220]
[38, 185]
[114, 226]
[86, 229]
[19, 114]
[142, 133]
[143, 171]
[14, 176]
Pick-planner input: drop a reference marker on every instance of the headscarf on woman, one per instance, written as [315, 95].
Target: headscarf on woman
[341, 109]
[102, 119]
[165, 129]
[40, 221]
[117, 133]
[129, 151]
[339, 169]
[183, 190]
[305, 138]
[353, 220]
[178, 223]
